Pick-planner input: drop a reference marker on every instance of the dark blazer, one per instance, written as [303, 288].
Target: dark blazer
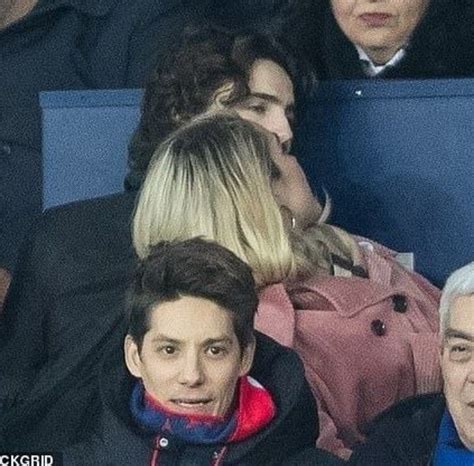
[404, 435]
[118, 440]
[62, 45]
[65, 303]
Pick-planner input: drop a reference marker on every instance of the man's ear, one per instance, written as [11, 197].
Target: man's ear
[248, 355]
[221, 95]
[132, 356]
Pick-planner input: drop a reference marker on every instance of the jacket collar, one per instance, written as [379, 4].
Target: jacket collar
[411, 428]
[349, 295]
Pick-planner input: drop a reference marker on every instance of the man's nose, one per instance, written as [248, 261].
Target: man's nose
[470, 375]
[191, 372]
[282, 130]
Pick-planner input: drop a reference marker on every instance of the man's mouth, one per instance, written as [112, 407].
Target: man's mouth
[191, 403]
[375, 19]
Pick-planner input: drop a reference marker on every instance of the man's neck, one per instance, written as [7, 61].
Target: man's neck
[382, 55]
[13, 10]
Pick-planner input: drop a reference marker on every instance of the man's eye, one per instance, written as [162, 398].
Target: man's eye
[460, 352]
[458, 348]
[216, 351]
[258, 108]
[168, 349]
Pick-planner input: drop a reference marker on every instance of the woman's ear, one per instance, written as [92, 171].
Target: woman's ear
[132, 356]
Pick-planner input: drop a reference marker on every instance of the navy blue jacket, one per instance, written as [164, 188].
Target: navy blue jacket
[61, 45]
[405, 434]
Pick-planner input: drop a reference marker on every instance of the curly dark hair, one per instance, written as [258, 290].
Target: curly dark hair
[195, 267]
[184, 84]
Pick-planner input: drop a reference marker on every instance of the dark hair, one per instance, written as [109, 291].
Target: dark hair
[198, 268]
[184, 85]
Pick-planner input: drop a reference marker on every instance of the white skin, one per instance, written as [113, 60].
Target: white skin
[379, 27]
[271, 106]
[457, 365]
[190, 360]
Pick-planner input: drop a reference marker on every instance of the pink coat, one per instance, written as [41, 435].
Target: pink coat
[365, 343]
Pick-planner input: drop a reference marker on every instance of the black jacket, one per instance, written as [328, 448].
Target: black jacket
[65, 303]
[61, 45]
[405, 435]
[441, 46]
[117, 440]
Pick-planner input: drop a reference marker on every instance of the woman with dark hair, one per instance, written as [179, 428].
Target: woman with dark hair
[350, 39]
[353, 39]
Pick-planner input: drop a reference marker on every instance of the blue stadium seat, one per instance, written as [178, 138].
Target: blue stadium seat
[397, 159]
[85, 138]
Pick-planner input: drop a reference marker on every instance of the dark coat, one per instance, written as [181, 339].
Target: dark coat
[404, 435]
[61, 45]
[65, 302]
[441, 46]
[118, 440]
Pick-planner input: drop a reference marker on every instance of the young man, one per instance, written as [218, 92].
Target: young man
[435, 429]
[199, 386]
[66, 298]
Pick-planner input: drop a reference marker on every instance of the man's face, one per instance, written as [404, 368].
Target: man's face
[190, 360]
[457, 365]
[271, 101]
[379, 27]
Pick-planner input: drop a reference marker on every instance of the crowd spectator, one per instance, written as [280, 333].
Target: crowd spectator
[352, 39]
[355, 39]
[66, 298]
[435, 429]
[187, 394]
[340, 301]
[57, 45]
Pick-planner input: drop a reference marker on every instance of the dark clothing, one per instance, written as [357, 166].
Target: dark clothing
[404, 435]
[119, 440]
[65, 302]
[441, 46]
[61, 45]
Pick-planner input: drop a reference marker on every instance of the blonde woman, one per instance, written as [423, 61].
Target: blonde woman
[365, 328]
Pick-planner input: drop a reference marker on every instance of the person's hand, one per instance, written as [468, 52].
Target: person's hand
[5, 279]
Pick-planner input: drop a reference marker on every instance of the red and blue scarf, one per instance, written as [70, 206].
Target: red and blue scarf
[255, 409]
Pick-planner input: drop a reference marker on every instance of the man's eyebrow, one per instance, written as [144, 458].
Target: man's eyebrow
[160, 338]
[163, 338]
[270, 98]
[213, 341]
[455, 333]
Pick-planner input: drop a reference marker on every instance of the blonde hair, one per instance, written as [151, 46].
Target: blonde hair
[212, 178]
